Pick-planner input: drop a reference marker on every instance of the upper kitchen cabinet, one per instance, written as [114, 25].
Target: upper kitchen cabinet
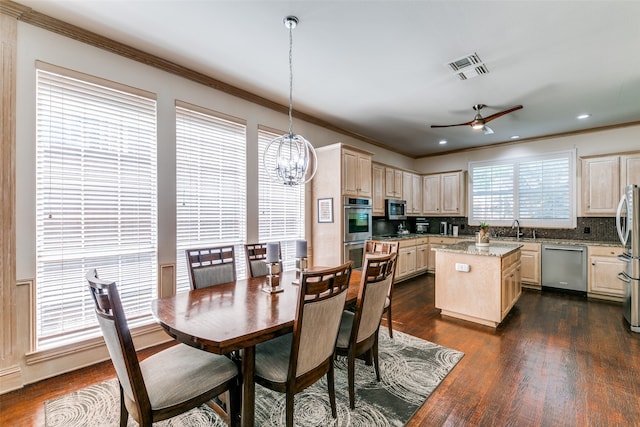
[443, 194]
[378, 177]
[603, 178]
[393, 183]
[356, 173]
[600, 185]
[412, 192]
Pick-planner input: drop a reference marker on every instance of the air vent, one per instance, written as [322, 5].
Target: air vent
[468, 67]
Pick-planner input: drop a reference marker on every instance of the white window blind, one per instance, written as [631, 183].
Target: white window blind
[281, 207]
[210, 185]
[537, 190]
[95, 200]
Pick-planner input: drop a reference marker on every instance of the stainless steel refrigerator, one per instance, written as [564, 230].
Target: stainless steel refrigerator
[628, 225]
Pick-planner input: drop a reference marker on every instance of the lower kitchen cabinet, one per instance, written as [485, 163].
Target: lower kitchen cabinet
[530, 260]
[406, 259]
[438, 242]
[604, 267]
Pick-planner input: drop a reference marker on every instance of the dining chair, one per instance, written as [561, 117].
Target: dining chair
[358, 335]
[211, 266]
[383, 247]
[256, 255]
[292, 362]
[168, 383]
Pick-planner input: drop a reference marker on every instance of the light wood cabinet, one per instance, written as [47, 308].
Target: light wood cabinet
[604, 267]
[443, 194]
[412, 192]
[438, 242]
[422, 257]
[406, 259]
[356, 173]
[378, 180]
[393, 183]
[600, 185]
[603, 181]
[530, 265]
[511, 283]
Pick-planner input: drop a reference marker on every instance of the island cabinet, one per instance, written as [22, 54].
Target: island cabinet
[478, 284]
[604, 267]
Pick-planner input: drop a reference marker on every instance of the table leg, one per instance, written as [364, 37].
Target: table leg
[248, 386]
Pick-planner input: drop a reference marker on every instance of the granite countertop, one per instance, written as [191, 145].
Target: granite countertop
[503, 239]
[470, 248]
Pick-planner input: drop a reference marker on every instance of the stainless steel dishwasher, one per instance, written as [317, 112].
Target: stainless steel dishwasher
[564, 267]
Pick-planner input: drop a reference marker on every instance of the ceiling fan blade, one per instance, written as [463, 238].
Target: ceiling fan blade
[502, 113]
[448, 126]
[487, 130]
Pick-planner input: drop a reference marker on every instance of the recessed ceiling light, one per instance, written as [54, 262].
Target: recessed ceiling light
[583, 116]
[515, 136]
[442, 141]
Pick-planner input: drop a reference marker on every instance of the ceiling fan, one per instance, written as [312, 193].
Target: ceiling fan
[480, 122]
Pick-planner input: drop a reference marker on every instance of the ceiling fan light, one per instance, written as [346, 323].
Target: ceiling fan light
[478, 125]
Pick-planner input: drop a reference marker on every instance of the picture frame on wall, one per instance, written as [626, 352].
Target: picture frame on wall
[325, 210]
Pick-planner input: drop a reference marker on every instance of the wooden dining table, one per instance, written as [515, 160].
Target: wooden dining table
[236, 316]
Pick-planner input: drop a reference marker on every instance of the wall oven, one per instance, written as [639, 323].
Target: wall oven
[358, 226]
[358, 219]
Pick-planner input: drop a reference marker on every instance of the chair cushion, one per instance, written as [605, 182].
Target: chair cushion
[272, 358]
[346, 323]
[213, 275]
[180, 373]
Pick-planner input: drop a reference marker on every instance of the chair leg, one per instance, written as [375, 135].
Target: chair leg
[351, 373]
[389, 322]
[374, 352]
[235, 403]
[332, 390]
[289, 409]
[124, 414]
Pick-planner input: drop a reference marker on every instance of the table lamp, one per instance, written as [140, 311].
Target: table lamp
[273, 268]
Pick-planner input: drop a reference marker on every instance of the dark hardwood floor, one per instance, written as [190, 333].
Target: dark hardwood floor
[556, 360]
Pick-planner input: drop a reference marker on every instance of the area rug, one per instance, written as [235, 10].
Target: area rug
[410, 370]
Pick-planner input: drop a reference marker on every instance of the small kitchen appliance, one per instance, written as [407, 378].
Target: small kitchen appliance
[443, 227]
[628, 226]
[422, 226]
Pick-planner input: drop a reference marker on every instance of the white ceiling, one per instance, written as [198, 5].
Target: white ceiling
[379, 68]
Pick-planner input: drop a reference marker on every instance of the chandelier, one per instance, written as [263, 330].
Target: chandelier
[288, 158]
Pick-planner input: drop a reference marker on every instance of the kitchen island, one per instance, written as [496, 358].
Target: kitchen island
[478, 284]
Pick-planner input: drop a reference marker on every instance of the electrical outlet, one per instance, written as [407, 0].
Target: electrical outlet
[587, 230]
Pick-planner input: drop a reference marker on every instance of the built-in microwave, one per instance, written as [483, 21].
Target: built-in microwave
[395, 209]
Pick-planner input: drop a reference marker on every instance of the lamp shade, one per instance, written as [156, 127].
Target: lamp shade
[301, 248]
[273, 254]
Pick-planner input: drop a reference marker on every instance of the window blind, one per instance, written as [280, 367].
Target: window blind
[210, 185]
[95, 201]
[281, 207]
[537, 190]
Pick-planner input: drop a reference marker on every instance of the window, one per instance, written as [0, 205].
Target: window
[281, 207]
[538, 191]
[95, 200]
[210, 184]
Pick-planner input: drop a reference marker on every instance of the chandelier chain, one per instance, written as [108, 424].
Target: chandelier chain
[291, 79]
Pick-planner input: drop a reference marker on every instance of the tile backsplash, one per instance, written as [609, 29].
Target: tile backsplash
[601, 229]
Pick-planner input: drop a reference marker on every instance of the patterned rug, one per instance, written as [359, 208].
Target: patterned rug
[410, 370]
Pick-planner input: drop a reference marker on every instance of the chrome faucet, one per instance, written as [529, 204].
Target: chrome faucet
[515, 224]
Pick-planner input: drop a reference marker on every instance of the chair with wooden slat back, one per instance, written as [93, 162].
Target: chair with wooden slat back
[256, 255]
[383, 247]
[358, 336]
[168, 383]
[211, 266]
[292, 362]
